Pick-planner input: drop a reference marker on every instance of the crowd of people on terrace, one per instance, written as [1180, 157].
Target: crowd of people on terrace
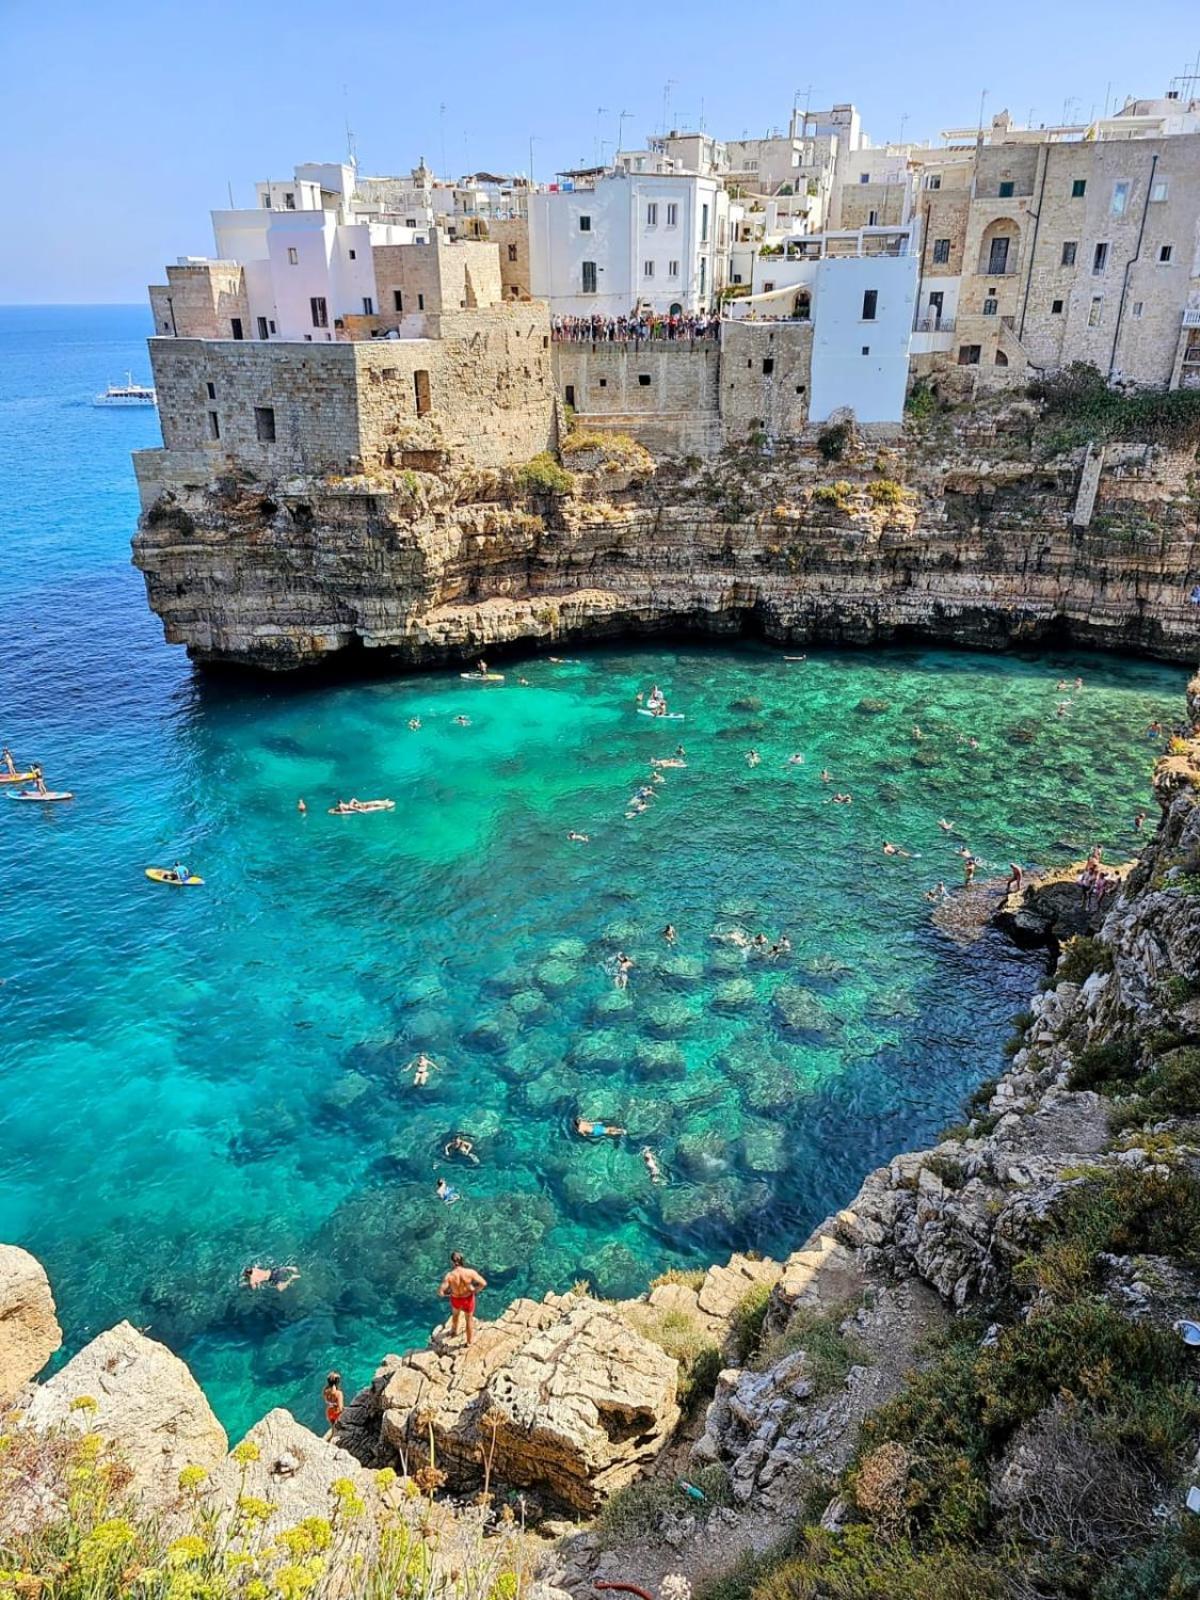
[638, 328]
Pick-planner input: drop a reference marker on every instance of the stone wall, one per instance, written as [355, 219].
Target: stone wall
[765, 377]
[658, 378]
[443, 275]
[201, 301]
[512, 239]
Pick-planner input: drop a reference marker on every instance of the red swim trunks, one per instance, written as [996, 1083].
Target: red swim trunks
[463, 1302]
[332, 1413]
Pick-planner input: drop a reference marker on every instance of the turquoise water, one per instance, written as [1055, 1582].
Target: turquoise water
[194, 1080]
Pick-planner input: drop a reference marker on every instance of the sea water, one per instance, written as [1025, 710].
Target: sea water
[195, 1079]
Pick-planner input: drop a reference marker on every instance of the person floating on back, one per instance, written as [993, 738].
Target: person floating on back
[460, 1285]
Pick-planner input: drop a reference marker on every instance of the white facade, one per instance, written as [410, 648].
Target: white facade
[656, 241]
[859, 292]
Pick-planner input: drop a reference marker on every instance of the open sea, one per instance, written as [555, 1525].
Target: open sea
[195, 1079]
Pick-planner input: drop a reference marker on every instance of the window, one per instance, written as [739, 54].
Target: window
[672, 215]
[604, 383]
[652, 214]
[569, 394]
[644, 380]
[421, 389]
[293, 257]
[1056, 308]
[990, 306]
[864, 177]
[214, 425]
[368, 306]
[1078, 188]
[1069, 251]
[271, 325]
[1120, 199]
[212, 390]
[512, 252]
[672, 269]
[1137, 308]
[264, 424]
[872, 219]
[1006, 188]
[289, 202]
[354, 255]
[262, 327]
[1094, 311]
[320, 312]
[647, 269]
[941, 250]
[235, 324]
[1164, 252]
[1160, 190]
[737, 278]
[998, 257]
[968, 355]
[589, 277]
[933, 180]
[866, 349]
[398, 300]
[266, 200]
[585, 224]
[870, 304]
[420, 302]
[768, 366]
[1100, 258]
[768, 285]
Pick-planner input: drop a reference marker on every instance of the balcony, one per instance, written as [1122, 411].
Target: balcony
[1191, 317]
[932, 324]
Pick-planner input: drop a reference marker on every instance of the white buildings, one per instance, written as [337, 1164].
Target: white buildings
[858, 290]
[609, 241]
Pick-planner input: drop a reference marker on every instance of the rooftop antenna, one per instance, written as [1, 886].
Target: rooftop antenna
[442, 117]
[702, 115]
[982, 103]
[622, 118]
[671, 83]
[229, 186]
[601, 111]
[903, 121]
[1107, 95]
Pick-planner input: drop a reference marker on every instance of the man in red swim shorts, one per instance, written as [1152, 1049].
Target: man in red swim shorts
[461, 1284]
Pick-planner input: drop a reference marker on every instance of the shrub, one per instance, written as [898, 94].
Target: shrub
[1110, 1065]
[829, 1355]
[543, 475]
[885, 492]
[840, 495]
[1081, 956]
[922, 404]
[1080, 396]
[833, 441]
[1170, 1089]
[642, 1509]
[746, 1323]
[853, 1566]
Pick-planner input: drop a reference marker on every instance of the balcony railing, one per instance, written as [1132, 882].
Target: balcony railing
[1191, 317]
[935, 325]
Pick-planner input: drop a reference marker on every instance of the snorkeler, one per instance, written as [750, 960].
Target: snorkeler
[652, 1166]
[446, 1194]
[460, 1145]
[624, 964]
[579, 838]
[752, 758]
[598, 1130]
[463, 722]
[890, 849]
[280, 1278]
[414, 724]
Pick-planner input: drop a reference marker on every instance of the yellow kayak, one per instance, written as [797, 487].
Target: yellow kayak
[17, 777]
[164, 875]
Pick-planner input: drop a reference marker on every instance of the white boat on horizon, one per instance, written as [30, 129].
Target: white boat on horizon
[127, 394]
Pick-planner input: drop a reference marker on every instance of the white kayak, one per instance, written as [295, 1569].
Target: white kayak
[660, 716]
[482, 677]
[50, 794]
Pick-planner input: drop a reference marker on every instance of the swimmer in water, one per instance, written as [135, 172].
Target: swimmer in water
[463, 722]
[652, 1166]
[446, 1194]
[917, 734]
[759, 943]
[657, 777]
[752, 758]
[669, 933]
[1138, 821]
[624, 965]
[795, 761]
[946, 827]
[420, 1067]
[890, 849]
[579, 838]
[680, 752]
[782, 946]
[826, 775]
[973, 742]
[301, 808]
[597, 1130]
[843, 799]
[524, 682]
[460, 1145]
[414, 724]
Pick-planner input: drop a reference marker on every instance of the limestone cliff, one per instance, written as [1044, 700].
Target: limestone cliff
[964, 532]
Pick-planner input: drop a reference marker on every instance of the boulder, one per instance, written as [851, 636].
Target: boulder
[29, 1330]
[146, 1404]
[561, 1396]
[294, 1472]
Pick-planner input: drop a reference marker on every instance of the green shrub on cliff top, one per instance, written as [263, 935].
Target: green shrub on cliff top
[1081, 397]
[543, 475]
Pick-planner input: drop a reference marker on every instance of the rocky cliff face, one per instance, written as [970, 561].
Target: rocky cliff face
[958, 534]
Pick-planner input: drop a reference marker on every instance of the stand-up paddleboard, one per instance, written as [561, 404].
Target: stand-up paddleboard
[362, 808]
[795, 658]
[50, 794]
[17, 777]
[482, 677]
[660, 716]
[164, 875]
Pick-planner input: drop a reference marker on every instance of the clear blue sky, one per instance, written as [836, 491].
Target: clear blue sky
[122, 126]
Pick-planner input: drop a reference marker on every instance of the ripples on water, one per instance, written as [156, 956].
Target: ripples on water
[194, 1080]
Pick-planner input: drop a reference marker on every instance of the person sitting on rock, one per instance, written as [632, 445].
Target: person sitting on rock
[460, 1285]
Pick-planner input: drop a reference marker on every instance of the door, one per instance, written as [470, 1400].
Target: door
[262, 327]
[236, 324]
[998, 257]
[936, 300]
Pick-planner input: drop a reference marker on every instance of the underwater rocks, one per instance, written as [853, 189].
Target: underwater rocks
[561, 1397]
[29, 1330]
[140, 1398]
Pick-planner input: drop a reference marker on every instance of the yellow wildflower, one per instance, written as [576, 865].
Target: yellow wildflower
[245, 1452]
[183, 1551]
[192, 1477]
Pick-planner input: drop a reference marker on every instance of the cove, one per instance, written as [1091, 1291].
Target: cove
[194, 1080]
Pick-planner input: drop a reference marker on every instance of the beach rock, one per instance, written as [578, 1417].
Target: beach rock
[561, 1397]
[146, 1404]
[294, 1472]
[29, 1330]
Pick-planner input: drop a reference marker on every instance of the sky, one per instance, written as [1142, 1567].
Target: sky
[127, 121]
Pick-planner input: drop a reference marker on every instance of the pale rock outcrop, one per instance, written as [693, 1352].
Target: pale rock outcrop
[561, 1397]
[147, 1405]
[29, 1330]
